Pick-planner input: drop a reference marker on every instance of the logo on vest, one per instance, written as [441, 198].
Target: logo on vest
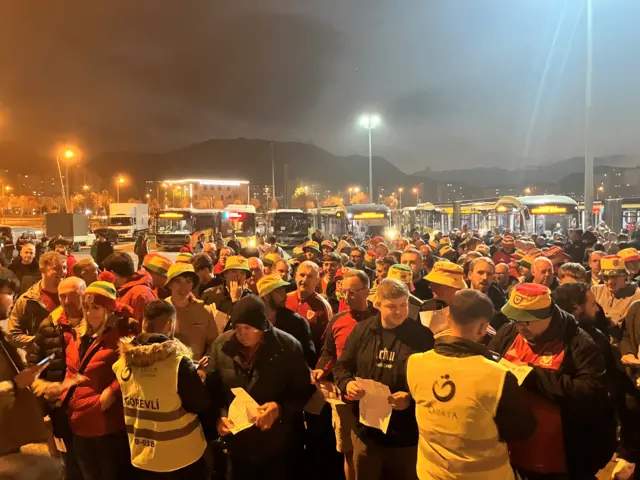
[126, 374]
[445, 390]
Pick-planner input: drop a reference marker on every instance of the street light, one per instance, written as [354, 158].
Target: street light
[400, 190]
[68, 155]
[118, 183]
[527, 191]
[370, 122]
[600, 189]
[417, 192]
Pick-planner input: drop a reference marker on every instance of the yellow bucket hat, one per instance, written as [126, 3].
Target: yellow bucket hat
[236, 262]
[400, 272]
[270, 259]
[269, 283]
[178, 269]
[612, 266]
[629, 254]
[483, 249]
[313, 246]
[447, 273]
[528, 302]
[184, 257]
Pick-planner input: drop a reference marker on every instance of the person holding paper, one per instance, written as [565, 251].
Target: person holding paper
[269, 365]
[376, 351]
[467, 405]
[566, 387]
[445, 279]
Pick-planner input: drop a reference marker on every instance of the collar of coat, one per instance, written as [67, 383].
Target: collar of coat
[149, 348]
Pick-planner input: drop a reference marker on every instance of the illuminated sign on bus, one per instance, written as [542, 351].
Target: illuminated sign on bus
[368, 216]
[549, 210]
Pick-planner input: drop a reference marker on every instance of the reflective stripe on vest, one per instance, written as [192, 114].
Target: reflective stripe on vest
[456, 402]
[163, 436]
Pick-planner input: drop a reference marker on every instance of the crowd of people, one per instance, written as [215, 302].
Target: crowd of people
[459, 356]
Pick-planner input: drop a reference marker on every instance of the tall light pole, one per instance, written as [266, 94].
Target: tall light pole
[417, 192]
[118, 183]
[400, 190]
[370, 122]
[588, 155]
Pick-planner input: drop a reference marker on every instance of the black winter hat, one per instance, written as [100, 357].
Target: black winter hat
[250, 310]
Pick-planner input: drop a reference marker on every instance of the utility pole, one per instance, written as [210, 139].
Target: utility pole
[588, 155]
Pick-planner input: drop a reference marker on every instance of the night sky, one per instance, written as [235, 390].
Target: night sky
[455, 81]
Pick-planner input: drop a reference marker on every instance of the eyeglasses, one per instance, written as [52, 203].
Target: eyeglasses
[351, 292]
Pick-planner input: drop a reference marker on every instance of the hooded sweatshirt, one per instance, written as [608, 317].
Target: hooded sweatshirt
[136, 293]
[381, 354]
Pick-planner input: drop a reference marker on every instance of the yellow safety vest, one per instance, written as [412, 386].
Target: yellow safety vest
[456, 403]
[163, 436]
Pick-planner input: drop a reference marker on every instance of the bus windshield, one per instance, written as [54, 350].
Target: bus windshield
[239, 223]
[291, 223]
[173, 225]
[120, 221]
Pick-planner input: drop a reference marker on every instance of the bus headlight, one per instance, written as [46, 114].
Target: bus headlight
[251, 242]
[391, 234]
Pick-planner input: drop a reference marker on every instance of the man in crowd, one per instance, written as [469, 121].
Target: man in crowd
[209, 250]
[503, 278]
[141, 248]
[157, 266]
[50, 341]
[257, 272]
[403, 273]
[355, 288]
[86, 269]
[593, 274]
[327, 247]
[330, 265]
[312, 252]
[62, 247]
[272, 448]
[542, 273]
[25, 266]
[224, 296]
[382, 268]
[357, 258]
[308, 303]
[631, 259]
[148, 364]
[617, 294]
[196, 326]
[204, 269]
[103, 249]
[283, 269]
[419, 286]
[571, 272]
[446, 279]
[378, 349]
[225, 252]
[134, 288]
[482, 410]
[481, 275]
[37, 303]
[503, 255]
[272, 290]
[269, 261]
[566, 385]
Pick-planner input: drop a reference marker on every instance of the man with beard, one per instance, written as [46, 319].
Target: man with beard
[357, 257]
[25, 266]
[272, 290]
[566, 387]
[308, 303]
[330, 266]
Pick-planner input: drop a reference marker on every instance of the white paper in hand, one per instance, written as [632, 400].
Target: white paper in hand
[242, 411]
[520, 371]
[375, 410]
[435, 320]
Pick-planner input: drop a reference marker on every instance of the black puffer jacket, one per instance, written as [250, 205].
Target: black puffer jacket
[50, 340]
[578, 388]
[279, 374]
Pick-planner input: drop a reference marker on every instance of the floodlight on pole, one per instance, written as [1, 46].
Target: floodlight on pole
[370, 122]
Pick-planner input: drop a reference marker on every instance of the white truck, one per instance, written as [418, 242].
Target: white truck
[129, 219]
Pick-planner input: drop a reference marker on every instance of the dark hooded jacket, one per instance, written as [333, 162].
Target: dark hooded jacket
[579, 389]
[278, 373]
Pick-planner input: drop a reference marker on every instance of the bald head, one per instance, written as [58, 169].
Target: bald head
[542, 271]
[70, 292]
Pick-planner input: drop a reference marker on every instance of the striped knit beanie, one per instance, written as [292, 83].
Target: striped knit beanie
[101, 293]
[156, 263]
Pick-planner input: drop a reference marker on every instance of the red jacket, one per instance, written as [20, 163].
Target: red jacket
[136, 293]
[501, 257]
[316, 311]
[86, 417]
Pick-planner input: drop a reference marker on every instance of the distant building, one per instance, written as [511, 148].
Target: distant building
[206, 193]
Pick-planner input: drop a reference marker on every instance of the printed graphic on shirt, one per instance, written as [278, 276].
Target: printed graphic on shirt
[385, 358]
[444, 389]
